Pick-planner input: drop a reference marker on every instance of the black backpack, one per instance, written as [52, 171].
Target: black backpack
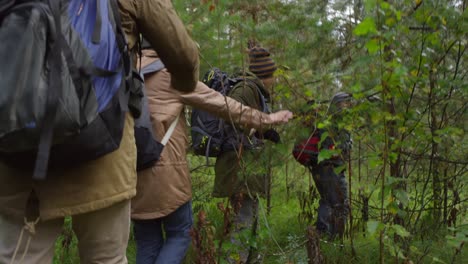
[207, 131]
[148, 148]
[67, 83]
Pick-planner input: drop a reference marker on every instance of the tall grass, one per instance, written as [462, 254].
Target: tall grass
[281, 233]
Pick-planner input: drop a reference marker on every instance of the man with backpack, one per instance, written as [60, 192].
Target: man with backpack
[163, 201]
[96, 193]
[328, 174]
[240, 172]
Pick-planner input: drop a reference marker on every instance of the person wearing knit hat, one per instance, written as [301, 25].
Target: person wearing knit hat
[241, 171]
[262, 65]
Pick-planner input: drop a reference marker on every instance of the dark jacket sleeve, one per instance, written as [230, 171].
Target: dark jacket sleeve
[159, 23]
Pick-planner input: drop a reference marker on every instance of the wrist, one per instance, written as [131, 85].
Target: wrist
[266, 119]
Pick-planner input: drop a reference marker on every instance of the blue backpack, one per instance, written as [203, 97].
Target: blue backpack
[208, 131]
[66, 84]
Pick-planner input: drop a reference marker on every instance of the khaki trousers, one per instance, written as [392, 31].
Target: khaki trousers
[102, 237]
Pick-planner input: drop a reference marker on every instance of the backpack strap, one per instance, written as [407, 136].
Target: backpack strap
[75, 71]
[120, 37]
[5, 6]
[55, 81]
[169, 131]
[96, 37]
[262, 100]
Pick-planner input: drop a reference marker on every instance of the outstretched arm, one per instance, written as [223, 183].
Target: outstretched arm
[209, 100]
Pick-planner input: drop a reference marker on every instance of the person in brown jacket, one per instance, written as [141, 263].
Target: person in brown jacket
[163, 200]
[97, 193]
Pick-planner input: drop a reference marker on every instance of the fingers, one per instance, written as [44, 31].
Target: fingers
[282, 116]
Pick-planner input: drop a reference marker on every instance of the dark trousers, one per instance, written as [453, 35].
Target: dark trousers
[164, 240]
[245, 220]
[333, 205]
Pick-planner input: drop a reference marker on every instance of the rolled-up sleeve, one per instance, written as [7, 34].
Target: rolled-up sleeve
[159, 23]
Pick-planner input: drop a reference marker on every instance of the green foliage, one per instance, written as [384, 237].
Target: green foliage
[405, 62]
[458, 237]
[367, 26]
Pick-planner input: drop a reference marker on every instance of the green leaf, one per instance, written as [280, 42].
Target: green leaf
[356, 88]
[437, 260]
[402, 196]
[325, 154]
[340, 169]
[372, 46]
[453, 243]
[322, 125]
[375, 162]
[384, 5]
[401, 231]
[386, 194]
[390, 21]
[374, 226]
[392, 207]
[398, 15]
[365, 27]
[370, 5]
[323, 137]
[393, 157]
[393, 180]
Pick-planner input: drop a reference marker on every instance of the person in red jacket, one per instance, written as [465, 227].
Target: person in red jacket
[329, 174]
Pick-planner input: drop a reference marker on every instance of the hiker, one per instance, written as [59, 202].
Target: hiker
[97, 193]
[329, 175]
[163, 201]
[240, 172]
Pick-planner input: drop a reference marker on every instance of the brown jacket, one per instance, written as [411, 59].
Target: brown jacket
[159, 23]
[111, 178]
[166, 186]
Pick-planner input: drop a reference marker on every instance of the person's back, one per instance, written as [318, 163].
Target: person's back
[163, 200]
[96, 193]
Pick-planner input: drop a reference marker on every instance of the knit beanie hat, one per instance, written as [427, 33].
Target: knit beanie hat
[261, 64]
[335, 106]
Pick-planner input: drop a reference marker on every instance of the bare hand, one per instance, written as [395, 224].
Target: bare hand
[280, 117]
